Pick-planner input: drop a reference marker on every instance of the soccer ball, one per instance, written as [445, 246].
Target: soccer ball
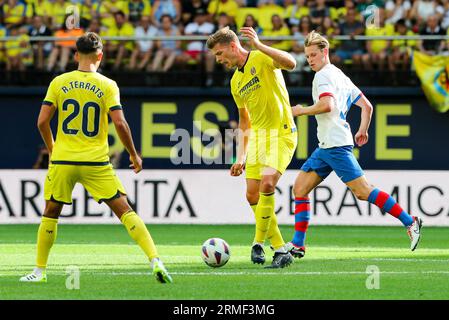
[215, 252]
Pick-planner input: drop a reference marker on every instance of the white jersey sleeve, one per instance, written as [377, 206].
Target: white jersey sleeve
[355, 93]
[324, 86]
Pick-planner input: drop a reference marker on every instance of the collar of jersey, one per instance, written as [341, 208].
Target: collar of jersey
[242, 69]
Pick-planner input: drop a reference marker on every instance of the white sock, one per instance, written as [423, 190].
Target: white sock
[39, 271]
[281, 250]
[153, 261]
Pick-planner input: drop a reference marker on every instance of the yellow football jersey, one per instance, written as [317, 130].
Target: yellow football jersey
[126, 29]
[379, 45]
[403, 44]
[106, 8]
[83, 100]
[43, 8]
[229, 7]
[59, 11]
[260, 87]
[285, 45]
[298, 14]
[15, 13]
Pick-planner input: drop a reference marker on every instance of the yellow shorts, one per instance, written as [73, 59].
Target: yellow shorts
[272, 151]
[100, 181]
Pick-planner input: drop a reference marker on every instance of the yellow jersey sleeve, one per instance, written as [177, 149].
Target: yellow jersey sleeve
[266, 61]
[51, 98]
[112, 99]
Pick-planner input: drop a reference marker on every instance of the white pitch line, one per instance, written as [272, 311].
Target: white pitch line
[190, 259]
[395, 259]
[239, 247]
[255, 273]
[294, 273]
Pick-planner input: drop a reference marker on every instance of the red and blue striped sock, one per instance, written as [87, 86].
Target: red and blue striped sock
[386, 202]
[302, 217]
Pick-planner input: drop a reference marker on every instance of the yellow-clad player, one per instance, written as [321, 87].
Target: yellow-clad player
[262, 99]
[83, 100]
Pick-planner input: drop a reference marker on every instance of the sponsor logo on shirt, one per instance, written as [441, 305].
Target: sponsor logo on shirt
[252, 85]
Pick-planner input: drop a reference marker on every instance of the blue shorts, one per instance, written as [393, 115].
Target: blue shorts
[338, 159]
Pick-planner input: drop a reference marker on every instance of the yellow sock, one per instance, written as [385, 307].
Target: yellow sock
[139, 232]
[264, 213]
[46, 236]
[273, 233]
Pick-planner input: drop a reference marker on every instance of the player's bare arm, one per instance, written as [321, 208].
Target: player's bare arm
[43, 123]
[124, 133]
[280, 58]
[361, 137]
[324, 105]
[244, 126]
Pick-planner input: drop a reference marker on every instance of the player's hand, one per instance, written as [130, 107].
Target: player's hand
[136, 163]
[297, 110]
[237, 169]
[361, 138]
[251, 34]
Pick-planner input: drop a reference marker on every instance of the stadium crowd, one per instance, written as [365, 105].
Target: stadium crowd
[62, 19]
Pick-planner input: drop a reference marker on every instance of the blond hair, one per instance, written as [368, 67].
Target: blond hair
[222, 36]
[314, 38]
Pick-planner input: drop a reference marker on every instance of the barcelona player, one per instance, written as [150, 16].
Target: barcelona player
[267, 130]
[333, 95]
[83, 100]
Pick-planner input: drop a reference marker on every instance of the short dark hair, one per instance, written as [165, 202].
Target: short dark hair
[119, 13]
[401, 22]
[222, 36]
[90, 42]
[165, 15]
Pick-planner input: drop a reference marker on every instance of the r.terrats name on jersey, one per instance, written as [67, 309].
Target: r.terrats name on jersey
[83, 85]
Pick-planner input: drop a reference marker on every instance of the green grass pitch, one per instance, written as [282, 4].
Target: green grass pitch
[335, 266]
